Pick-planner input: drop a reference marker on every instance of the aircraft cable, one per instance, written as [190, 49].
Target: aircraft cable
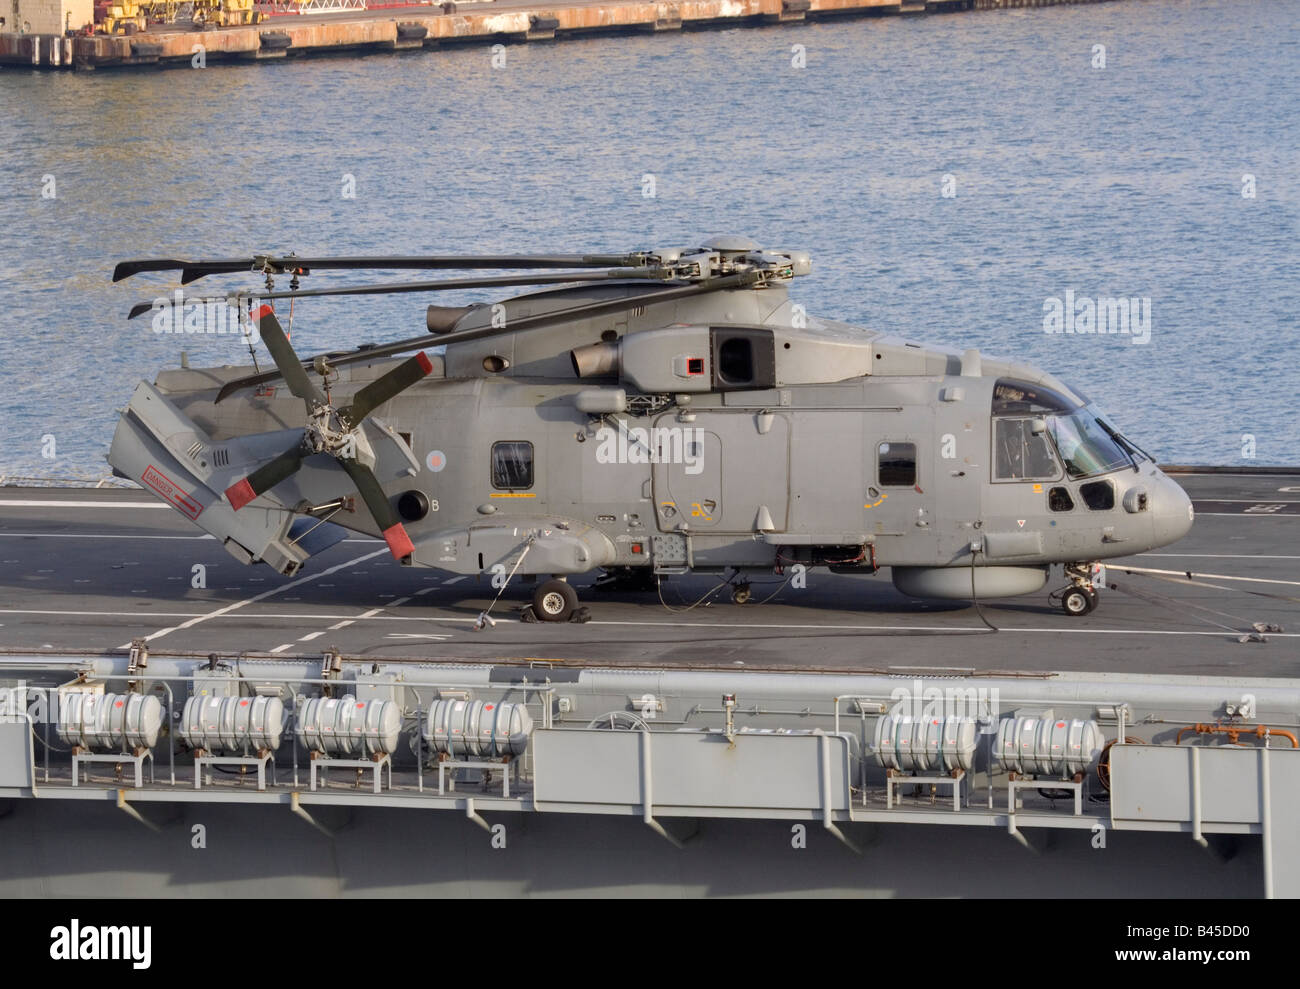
[252, 325]
[659, 584]
[1188, 577]
[776, 592]
[49, 745]
[1154, 597]
[485, 618]
[975, 597]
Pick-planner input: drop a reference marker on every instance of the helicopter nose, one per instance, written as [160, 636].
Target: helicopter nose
[1172, 511]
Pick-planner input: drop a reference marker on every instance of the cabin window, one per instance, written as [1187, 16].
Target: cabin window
[1098, 496]
[1020, 454]
[512, 464]
[897, 464]
[1059, 500]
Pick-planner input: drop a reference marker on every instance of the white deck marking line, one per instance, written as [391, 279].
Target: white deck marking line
[1218, 556]
[1205, 576]
[96, 535]
[260, 597]
[1219, 473]
[299, 616]
[1246, 501]
[282, 648]
[933, 628]
[371, 615]
[102, 535]
[1246, 515]
[107, 614]
[5, 503]
[311, 635]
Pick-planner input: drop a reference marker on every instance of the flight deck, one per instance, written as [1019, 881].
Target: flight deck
[91, 570]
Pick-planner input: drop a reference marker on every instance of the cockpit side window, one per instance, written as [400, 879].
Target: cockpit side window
[1059, 500]
[1099, 496]
[1022, 452]
[512, 465]
[897, 464]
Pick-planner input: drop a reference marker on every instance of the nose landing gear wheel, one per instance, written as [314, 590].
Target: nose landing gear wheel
[741, 594]
[554, 601]
[1078, 601]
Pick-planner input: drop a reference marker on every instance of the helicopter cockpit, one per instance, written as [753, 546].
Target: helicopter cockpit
[1038, 431]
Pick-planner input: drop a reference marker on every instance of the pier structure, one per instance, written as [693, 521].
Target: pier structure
[54, 34]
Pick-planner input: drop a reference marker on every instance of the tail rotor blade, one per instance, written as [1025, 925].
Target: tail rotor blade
[265, 477]
[387, 387]
[295, 376]
[399, 543]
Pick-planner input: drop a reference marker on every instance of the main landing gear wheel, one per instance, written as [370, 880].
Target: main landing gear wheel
[1078, 601]
[741, 593]
[555, 601]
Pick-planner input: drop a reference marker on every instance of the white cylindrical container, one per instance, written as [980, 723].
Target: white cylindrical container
[478, 728]
[345, 726]
[1037, 746]
[109, 721]
[924, 744]
[232, 724]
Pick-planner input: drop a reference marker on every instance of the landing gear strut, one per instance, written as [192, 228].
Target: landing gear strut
[1080, 597]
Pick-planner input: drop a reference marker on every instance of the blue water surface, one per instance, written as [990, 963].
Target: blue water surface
[1125, 180]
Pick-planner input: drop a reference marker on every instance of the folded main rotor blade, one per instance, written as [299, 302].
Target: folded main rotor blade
[191, 270]
[442, 285]
[539, 321]
[265, 477]
[125, 269]
[386, 387]
[295, 376]
[399, 543]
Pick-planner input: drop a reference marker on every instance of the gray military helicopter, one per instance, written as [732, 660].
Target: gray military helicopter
[648, 414]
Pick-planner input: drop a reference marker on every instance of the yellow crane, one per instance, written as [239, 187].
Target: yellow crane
[225, 13]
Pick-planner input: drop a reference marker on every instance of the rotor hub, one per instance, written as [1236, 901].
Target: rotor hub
[327, 432]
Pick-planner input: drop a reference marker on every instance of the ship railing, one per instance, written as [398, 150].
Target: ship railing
[282, 8]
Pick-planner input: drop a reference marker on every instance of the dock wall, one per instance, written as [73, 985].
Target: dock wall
[427, 26]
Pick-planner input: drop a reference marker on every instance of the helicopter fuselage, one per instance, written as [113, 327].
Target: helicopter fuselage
[651, 433]
[911, 472]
